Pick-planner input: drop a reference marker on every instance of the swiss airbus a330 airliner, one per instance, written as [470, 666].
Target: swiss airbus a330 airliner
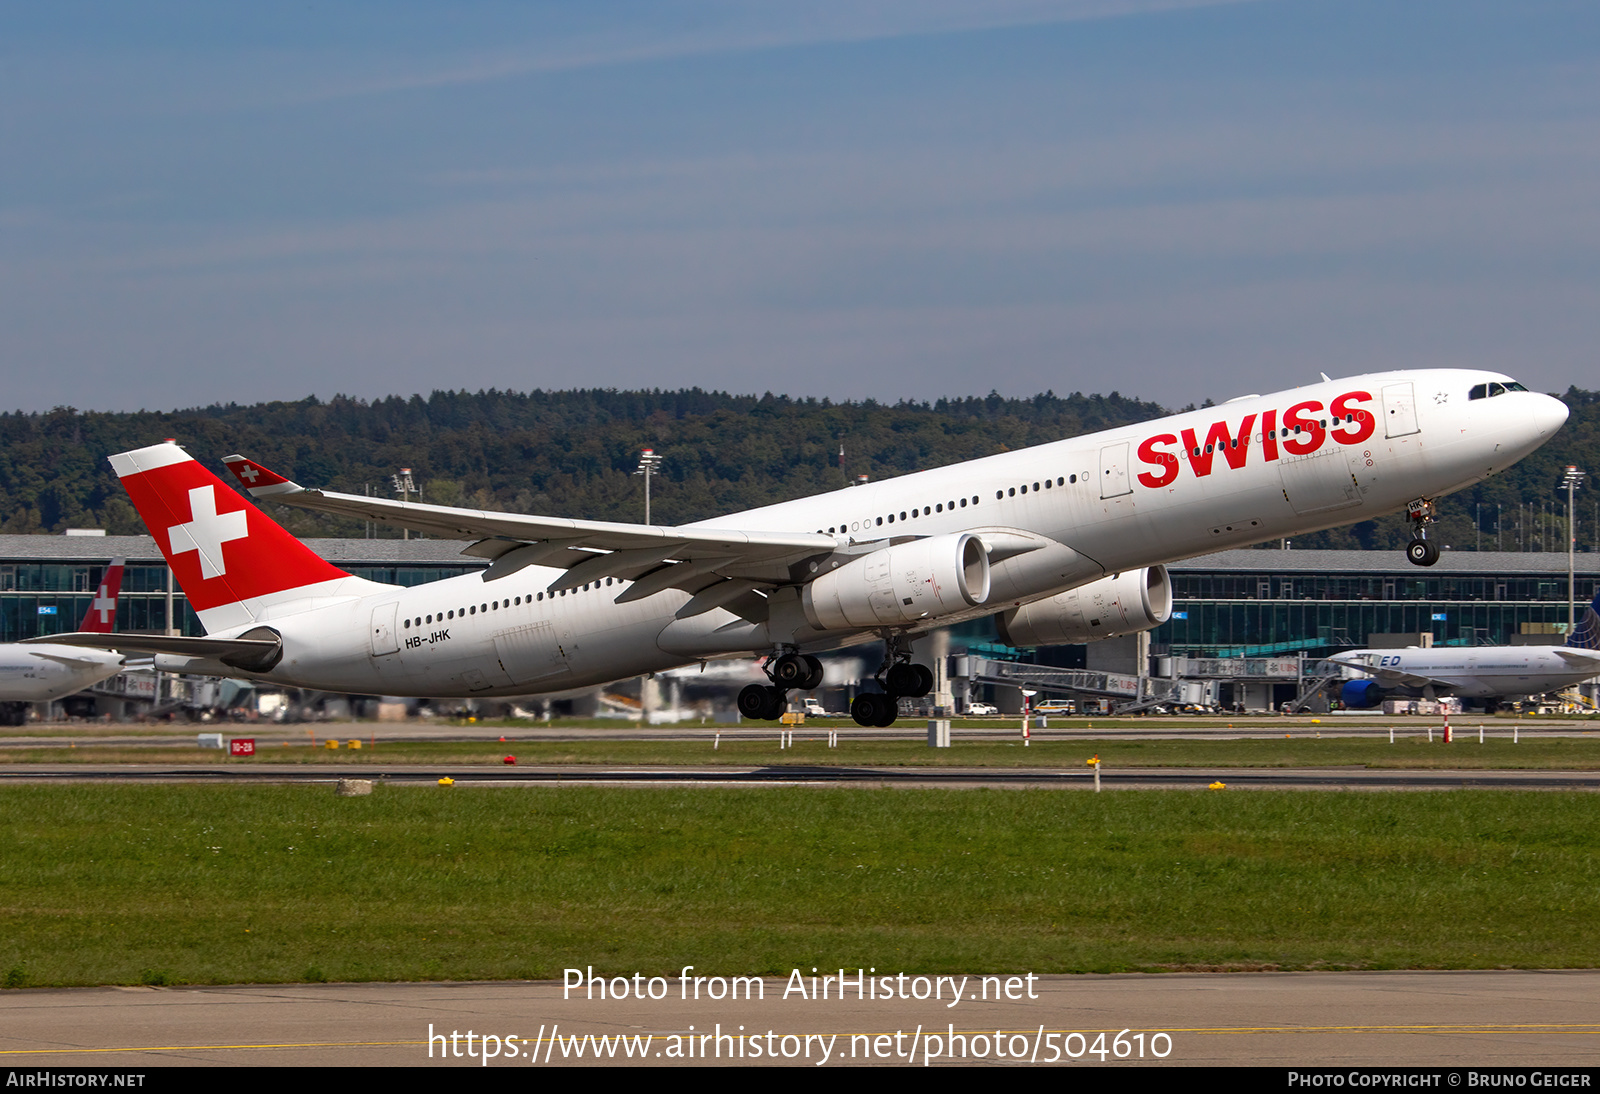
[1063, 542]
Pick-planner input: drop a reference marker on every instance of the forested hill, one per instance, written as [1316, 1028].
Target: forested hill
[572, 453]
[566, 453]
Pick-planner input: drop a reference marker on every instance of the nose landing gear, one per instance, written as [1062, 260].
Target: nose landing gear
[1419, 552]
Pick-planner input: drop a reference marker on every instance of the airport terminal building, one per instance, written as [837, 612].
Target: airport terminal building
[1264, 603]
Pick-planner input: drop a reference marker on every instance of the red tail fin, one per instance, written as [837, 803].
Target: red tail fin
[229, 557]
[101, 617]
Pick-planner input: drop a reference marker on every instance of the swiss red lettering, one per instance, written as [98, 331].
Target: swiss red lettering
[1295, 419]
[1166, 463]
[1353, 432]
[1233, 449]
[1305, 434]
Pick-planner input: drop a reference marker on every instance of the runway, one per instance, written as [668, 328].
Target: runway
[1447, 1020]
[1077, 778]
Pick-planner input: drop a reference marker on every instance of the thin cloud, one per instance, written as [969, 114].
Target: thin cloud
[734, 28]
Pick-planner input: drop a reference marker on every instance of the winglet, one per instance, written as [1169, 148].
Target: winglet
[258, 480]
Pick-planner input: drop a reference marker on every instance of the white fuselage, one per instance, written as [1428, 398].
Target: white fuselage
[1476, 672]
[40, 673]
[1131, 497]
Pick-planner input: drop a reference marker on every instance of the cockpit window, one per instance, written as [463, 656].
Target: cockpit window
[1490, 390]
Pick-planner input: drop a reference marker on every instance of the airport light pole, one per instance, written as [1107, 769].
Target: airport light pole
[405, 487]
[1572, 480]
[649, 464]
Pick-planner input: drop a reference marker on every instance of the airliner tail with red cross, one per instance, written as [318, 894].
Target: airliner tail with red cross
[101, 618]
[233, 562]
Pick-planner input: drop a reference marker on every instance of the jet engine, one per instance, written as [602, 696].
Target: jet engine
[923, 579]
[1361, 694]
[1124, 603]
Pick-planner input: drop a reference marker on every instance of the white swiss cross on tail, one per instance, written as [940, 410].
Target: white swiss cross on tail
[261, 482]
[102, 613]
[207, 531]
[235, 565]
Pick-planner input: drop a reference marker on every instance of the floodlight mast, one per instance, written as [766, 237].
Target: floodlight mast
[1572, 480]
[649, 464]
[405, 487]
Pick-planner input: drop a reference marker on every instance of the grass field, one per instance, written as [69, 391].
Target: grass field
[1302, 749]
[219, 884]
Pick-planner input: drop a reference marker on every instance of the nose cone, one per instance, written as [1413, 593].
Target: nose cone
[1549, 415]
[1526, 425]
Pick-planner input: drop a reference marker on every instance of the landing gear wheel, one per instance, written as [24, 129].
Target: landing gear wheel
[753, 701]
[777, 699]
[903, 679]
[813, 679]
[762, 702]
[1421, 553]
[874, 710]
[924, 681]
[789, 670]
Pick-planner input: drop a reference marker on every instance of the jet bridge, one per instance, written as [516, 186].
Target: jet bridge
[1130, 694]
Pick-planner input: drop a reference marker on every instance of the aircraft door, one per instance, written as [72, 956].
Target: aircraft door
[1114, 471]
[384, 637]
[1399, 410]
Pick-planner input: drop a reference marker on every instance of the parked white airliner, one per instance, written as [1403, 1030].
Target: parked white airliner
[1489, 673]
[46, 669]
[1064, 541]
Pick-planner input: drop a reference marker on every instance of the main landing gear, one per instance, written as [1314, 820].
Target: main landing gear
[898, 677]
[1419, 551]
[765, 702]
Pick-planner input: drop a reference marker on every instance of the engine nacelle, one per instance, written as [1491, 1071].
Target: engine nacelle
[1124, 603]
[1361, 694]
[923, 579]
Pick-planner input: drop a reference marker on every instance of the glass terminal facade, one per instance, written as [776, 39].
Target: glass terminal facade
[1260, 603]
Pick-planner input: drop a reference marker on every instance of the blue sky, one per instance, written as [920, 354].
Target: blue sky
[209, 202]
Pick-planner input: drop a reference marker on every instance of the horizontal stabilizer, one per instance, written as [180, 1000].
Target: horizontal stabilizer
[65, 659]
[255, 654]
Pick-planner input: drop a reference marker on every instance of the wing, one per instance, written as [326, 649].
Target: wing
[242, 652]
[1578, 659]
[1392, 678]
[725, 564]
[1410, 679]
